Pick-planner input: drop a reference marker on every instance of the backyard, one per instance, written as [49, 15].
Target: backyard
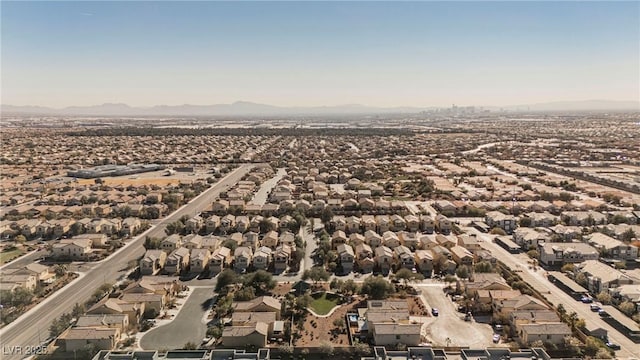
[323, 302]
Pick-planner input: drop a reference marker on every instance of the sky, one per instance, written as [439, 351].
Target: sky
[61, 54]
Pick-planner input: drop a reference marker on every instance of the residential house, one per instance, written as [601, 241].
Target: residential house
[241, 336]
[25, 281]
[424, 262]
[212, 223]
[364, 258]
[612, 248]
[194, 224]
[262, 258]
[170, 243]
[99, 338]
[443, 224]
[553, 333]
[152, 262]
[270, 239]
[192, 241]
[404, 257]
[109, 305]
[384, 258]
[528, 238]
[131, 226]
[117, 321]
[338, 238]
[243, 257]
[508, 223]
[558, 254]
[259, 304]
[346, 257]
[75, 249]
[199, 260]
[372, 239]
[220, 259]
[409, 239]
[601, 277]
[461, 256]
[281, 257]
[427, 223]
[177, 261]
[390, 239]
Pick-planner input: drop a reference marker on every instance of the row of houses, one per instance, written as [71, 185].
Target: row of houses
[208, 253]
[414, 251]
[395, 222]
[36, 228]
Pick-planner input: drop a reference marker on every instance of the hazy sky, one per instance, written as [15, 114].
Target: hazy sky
[319, 53]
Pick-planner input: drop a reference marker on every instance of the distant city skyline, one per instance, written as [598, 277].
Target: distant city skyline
[379, 54]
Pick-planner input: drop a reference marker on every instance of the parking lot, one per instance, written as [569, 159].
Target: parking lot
[449, 327]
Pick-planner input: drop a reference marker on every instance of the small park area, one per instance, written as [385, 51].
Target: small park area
[323, 302]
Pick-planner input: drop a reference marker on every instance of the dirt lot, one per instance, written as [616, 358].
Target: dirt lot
[449, 328]
[318, 329]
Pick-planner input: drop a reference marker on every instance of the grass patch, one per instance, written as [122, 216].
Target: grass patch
[323, 303]
[7, 256]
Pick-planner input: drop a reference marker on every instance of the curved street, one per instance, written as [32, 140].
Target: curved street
[188, 326]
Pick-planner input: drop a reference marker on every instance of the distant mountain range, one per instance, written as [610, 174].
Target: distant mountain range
[250, 108]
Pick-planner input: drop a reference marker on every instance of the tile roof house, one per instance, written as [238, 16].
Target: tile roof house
[220, 259]
[152, 262]
[346, 257]
[554, 333]
[242, 258]
[262, 258]
[259, 304]
[199, 260]
[100, 338]
[177, 261]
[612, 248]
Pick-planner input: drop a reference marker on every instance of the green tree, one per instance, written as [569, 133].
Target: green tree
[407, 275]
[627, 307]
[463, 272]
[225, 278]
[604, 297]
[260, 280]
[316, 273]
[78, 310]
[377, 288]
[21, 239]
[483, 267]
[190, 346]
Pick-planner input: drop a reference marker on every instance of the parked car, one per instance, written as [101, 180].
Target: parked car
[594, 307]
[612, 346]
[435, 312]
[586, 299]
[467, 317]
[498, 328]
[603, 313]
[496, 338]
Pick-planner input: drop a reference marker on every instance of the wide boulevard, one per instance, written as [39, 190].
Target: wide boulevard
[32, 328]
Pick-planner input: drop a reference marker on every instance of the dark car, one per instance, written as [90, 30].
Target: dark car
[594, 307]
[613, 346]
[435, 312]
[603, 313]
[586, 300]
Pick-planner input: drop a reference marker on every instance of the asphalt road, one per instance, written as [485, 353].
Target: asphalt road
[31, 329]
[188, 326]
[556, 296]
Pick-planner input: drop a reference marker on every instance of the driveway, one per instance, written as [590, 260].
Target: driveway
[449, 324]
[188, 326]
